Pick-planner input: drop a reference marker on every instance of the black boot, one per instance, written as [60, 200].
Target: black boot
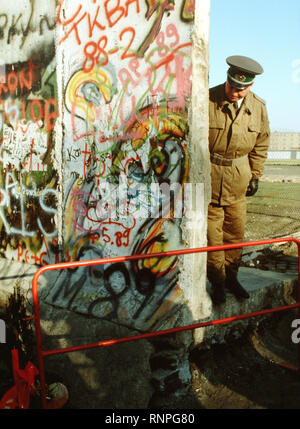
[218, 295]
[236, 288]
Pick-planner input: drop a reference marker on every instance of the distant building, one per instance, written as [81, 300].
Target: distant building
[284, 146]
[284, 141]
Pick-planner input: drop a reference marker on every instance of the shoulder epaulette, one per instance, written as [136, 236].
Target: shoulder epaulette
[258, 98]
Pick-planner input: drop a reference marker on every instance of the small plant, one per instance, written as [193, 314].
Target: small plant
[26, 391]
[20, 335]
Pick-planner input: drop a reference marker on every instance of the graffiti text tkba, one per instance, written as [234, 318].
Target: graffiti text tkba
[110, 14]
[107, 17]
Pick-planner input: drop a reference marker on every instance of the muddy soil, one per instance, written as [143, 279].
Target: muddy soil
[247, 373]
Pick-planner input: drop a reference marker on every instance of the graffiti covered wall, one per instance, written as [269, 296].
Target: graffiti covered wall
[28, 110]
[95, 158]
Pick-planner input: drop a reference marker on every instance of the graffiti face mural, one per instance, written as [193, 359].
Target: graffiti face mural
[113, 216]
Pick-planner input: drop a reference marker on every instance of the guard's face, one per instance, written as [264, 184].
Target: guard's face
[234, 94]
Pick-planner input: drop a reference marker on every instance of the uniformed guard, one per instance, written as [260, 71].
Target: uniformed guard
[238, 142]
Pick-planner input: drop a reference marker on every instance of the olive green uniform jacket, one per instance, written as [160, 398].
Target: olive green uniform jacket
[243, 138]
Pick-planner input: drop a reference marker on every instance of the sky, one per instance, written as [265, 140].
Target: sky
[269, 32]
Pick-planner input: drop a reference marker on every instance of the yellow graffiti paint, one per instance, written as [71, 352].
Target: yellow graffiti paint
[76, 100]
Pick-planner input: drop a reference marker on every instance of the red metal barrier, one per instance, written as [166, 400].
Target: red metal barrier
[43, 353]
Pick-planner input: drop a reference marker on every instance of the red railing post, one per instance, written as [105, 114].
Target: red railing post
[41, 353]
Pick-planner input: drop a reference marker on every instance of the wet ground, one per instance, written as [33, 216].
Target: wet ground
[248, 373]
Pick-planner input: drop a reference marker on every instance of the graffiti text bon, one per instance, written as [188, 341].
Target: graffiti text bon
[18, 81]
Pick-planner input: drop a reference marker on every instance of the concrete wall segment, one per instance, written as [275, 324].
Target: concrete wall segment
[117, 80]
[107, 104]
[200, 167]
[126, 124]
[28, 105]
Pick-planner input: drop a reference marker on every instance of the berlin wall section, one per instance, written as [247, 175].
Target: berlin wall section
[104, 153]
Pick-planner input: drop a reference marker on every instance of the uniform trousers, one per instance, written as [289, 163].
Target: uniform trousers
[226, 224]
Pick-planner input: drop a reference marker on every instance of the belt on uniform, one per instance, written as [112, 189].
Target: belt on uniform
[220, 160]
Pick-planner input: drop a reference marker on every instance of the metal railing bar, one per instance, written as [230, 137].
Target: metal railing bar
[215, 322]
[65, 265]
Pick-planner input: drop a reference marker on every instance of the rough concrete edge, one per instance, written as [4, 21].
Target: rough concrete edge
[200, 168]
[272, 296]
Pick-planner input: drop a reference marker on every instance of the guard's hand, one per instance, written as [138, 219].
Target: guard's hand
[252, 187]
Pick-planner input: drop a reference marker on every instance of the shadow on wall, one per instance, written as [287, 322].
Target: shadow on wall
[139, 374]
